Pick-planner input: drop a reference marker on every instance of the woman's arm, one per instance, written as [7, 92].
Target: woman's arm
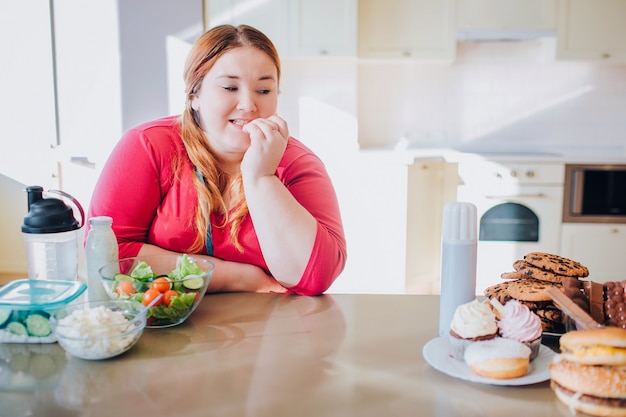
[228, 276]
[293, 208]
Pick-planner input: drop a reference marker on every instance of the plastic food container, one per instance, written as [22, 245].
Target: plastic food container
[26, 306]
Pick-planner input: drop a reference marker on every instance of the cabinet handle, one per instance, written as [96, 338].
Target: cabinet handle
[82, 161]
[606, 55]
[614, 231]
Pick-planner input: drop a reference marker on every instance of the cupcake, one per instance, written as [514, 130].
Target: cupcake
[471, 322]
[517, 322]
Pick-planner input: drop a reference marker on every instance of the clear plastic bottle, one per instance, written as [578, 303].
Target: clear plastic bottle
[51, 235]
[100, 249]
[458, 260]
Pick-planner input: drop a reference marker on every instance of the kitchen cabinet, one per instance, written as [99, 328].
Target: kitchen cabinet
[271, 17]
[27, 84]
[392, 214]
[418, 29]
[323, 27]
[431, 184]
[597, 246]
[298, 28]
[513, 15]
[591, 29]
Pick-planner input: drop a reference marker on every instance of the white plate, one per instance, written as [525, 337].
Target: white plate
[438, 354]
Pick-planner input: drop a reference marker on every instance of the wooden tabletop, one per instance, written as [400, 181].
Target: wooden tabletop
[267, 355]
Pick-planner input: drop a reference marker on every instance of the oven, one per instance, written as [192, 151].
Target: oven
[519, 208]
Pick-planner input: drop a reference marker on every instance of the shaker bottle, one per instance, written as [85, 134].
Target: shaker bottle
[458, 260]
[51, 235]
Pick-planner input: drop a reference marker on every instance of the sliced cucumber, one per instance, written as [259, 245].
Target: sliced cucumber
[5, 313]
[124, 278]
[193, 282]
[38, 325]
[19, 315]
[17, 328]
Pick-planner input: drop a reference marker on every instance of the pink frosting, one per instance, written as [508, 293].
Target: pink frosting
[519, 323]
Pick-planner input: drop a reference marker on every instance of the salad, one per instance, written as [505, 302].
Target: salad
[178, 290]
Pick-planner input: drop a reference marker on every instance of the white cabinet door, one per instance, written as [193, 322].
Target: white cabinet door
[592, 29]
[517, 15]
[600, 247]
[27, 104]
[323, 27]
[270, 17]
[421, 29]
[296, 27]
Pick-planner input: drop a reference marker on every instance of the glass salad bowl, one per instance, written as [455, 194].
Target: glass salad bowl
[176, 282]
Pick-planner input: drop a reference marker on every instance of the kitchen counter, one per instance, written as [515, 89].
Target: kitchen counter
[569, 155]
[268, 355]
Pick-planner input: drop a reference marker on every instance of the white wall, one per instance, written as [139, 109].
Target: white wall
[513, 95]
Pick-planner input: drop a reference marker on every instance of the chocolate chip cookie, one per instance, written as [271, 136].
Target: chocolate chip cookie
[499, 292]
[530, 289]
[525, 270]
[556, 264]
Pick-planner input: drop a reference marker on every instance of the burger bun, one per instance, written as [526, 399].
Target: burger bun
[603, 346]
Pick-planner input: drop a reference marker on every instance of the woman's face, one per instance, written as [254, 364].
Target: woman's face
[241, 86]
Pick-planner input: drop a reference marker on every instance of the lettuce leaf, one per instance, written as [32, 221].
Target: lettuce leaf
[185, 266]
[142, 271]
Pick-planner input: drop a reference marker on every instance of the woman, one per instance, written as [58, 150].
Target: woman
[225, 180]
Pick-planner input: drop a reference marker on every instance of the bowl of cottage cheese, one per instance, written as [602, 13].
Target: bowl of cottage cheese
[99, 329]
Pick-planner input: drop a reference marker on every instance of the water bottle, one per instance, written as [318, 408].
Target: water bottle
[100, 249]
[458, 260]
[51, 235]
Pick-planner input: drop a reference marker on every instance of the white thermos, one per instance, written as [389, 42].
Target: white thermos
[458, 260]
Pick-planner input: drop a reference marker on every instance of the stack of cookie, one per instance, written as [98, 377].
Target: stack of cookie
[531, 276]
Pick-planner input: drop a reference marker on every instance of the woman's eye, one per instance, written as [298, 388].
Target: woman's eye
[230, 88]
[264, 91]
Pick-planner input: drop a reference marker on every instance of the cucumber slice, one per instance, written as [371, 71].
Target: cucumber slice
[124, 278]
[5, 313]
[19, 315]
[193, 282]
[17, 328]
[38, 325]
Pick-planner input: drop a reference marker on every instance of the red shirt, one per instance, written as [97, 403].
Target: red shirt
[151, 203]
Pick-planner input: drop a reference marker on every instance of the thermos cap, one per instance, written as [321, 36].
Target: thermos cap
[48, 215]
[459, 222]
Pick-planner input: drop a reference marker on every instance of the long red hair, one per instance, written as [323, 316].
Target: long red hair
[205, 52]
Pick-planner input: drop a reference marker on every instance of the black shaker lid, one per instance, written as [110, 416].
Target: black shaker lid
[47, 215]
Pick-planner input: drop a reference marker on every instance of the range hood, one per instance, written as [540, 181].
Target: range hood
[474, 35]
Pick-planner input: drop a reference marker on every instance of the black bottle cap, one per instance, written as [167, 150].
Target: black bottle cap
[47, 215]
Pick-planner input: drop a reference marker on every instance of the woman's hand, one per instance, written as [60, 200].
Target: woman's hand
[268, 141]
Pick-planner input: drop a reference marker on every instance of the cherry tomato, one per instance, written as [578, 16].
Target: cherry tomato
[150, 295]
[167, 296]
[125, 288]
[161, 284]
